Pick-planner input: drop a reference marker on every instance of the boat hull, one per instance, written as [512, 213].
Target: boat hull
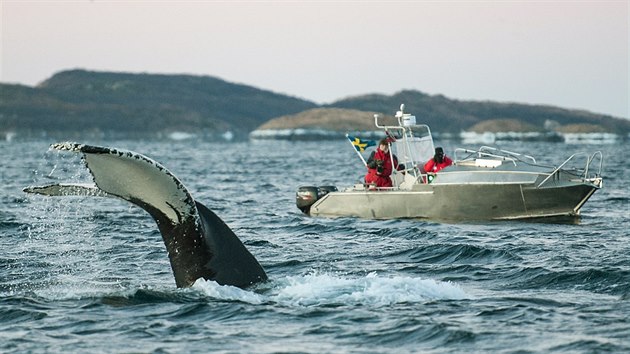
[457, 202]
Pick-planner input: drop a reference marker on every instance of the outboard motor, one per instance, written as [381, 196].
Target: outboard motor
[305, 197]
[308, 195]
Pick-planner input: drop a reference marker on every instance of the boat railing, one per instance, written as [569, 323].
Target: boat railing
[596, 154]
[584, 175]
[516, 155]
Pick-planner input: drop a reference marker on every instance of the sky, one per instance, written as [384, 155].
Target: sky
[571, 54]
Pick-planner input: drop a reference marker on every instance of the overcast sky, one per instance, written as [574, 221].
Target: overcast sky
[572, 54]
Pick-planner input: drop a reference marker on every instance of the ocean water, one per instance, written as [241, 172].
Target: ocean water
[92, 275]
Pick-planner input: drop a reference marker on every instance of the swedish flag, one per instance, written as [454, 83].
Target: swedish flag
[360, 144]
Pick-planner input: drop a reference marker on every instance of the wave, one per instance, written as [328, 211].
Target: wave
[606, 281]
[621, 200]
[455, 253]
[12, 225]
[14, 315]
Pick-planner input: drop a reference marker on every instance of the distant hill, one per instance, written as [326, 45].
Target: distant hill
[321, 124]
[335, 119]
[140, 104]
[83, 102]
[448, 115]
[504, 125]
[443, 115]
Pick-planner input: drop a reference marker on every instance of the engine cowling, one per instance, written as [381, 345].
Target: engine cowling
[306, 196]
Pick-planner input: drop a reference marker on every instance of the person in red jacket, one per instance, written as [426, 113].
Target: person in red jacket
[438, 162]
[379, 166]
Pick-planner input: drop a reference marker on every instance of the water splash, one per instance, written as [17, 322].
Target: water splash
[326, 289]
[226, 292]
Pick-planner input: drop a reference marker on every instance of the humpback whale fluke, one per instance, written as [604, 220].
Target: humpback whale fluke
[198, 242]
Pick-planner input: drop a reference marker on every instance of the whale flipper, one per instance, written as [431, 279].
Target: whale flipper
[199, 243]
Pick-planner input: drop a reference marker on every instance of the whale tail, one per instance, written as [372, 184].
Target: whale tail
[198, 242]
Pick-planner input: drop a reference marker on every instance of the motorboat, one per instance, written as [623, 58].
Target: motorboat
[481, 184]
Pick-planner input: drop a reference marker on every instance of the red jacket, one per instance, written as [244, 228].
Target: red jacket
[381, 179]
[433, 166]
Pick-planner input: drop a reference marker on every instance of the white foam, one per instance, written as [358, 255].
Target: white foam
[322, 289]
[226, 292]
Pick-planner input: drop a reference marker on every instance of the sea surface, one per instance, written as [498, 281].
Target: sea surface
[92, 274]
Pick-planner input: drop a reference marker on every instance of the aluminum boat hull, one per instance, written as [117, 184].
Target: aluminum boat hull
[457, 202]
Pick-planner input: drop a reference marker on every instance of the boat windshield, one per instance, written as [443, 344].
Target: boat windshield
[415, 146]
